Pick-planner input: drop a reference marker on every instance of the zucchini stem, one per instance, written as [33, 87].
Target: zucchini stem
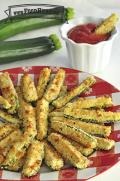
[69, 13]
[56, 41]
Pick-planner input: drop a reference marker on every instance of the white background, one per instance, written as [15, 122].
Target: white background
[98, 8]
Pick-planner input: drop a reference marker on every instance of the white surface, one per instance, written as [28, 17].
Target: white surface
[111, 73]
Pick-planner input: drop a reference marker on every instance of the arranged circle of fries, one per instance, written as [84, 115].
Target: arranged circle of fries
[45, 123]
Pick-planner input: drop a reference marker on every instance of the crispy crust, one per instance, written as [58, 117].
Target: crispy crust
[74, 133]
[1, 159]
[99, 102]
[104, 143]
[28, 88]
[7, 142]
[34, 157]
[97, 116]
[9, 92]
[63, 91]
[52, 157]
[54, 87]
[43, 80]
[107, 25]
[5, 130]
[16, 153]
[91, 128]
[9, 118]
[85, 151]
[42, 109]
[69, 152]
[56, 114]
[28, 115]
[4, 103]
[63, 100]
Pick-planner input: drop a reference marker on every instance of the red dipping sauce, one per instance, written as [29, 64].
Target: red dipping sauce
[85, 34]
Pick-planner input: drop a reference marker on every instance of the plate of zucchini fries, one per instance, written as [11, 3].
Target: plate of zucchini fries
[57, 124]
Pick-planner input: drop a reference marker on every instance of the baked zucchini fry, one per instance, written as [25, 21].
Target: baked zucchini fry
[34, 157]
[97, 116]
[16, 153]
[9, 118]
[9, 92]
[4, 103]
[42, 109]
[5, 130]
[91, 128]
[28, 115]
[68, 152]
[74, 133]
[63, 91]
[104, 143]
[85, 151]
[16, 166]
[107, 25]
[52, 158]
[63, 100]
[7, 142]
[28, 88]
[99, 102]
[43, 80]
[55, 85]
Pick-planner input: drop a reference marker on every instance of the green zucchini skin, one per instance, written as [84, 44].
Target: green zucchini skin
[29, 48]
[19, 24]
[13, 28]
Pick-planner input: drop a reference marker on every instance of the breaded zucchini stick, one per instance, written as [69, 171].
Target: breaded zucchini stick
[42, 109]
[43, 80]
[5, 130]
[28, 115]
[16, 153]
[63, 91]
[4, 103]
[7, 142]
[16, 166]
[52, 158]
[55, 85]
[107, 25]
[85, 151]
[104, 143]
[9, 118]
[97, 116]
[99, 102]
[74, 133]
[9, 92]
[34, 157]
[63, 100]
[91, 128]
[28, 88]
[69, 152]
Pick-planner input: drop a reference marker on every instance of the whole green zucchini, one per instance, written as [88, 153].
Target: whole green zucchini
[19, 24]
[28, 48]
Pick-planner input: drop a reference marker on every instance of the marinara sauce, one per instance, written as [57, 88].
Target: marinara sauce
[85, 34]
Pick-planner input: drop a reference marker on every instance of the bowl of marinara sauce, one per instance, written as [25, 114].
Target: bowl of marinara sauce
[87, 51]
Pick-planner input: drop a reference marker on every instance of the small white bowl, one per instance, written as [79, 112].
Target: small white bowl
[87, 57]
